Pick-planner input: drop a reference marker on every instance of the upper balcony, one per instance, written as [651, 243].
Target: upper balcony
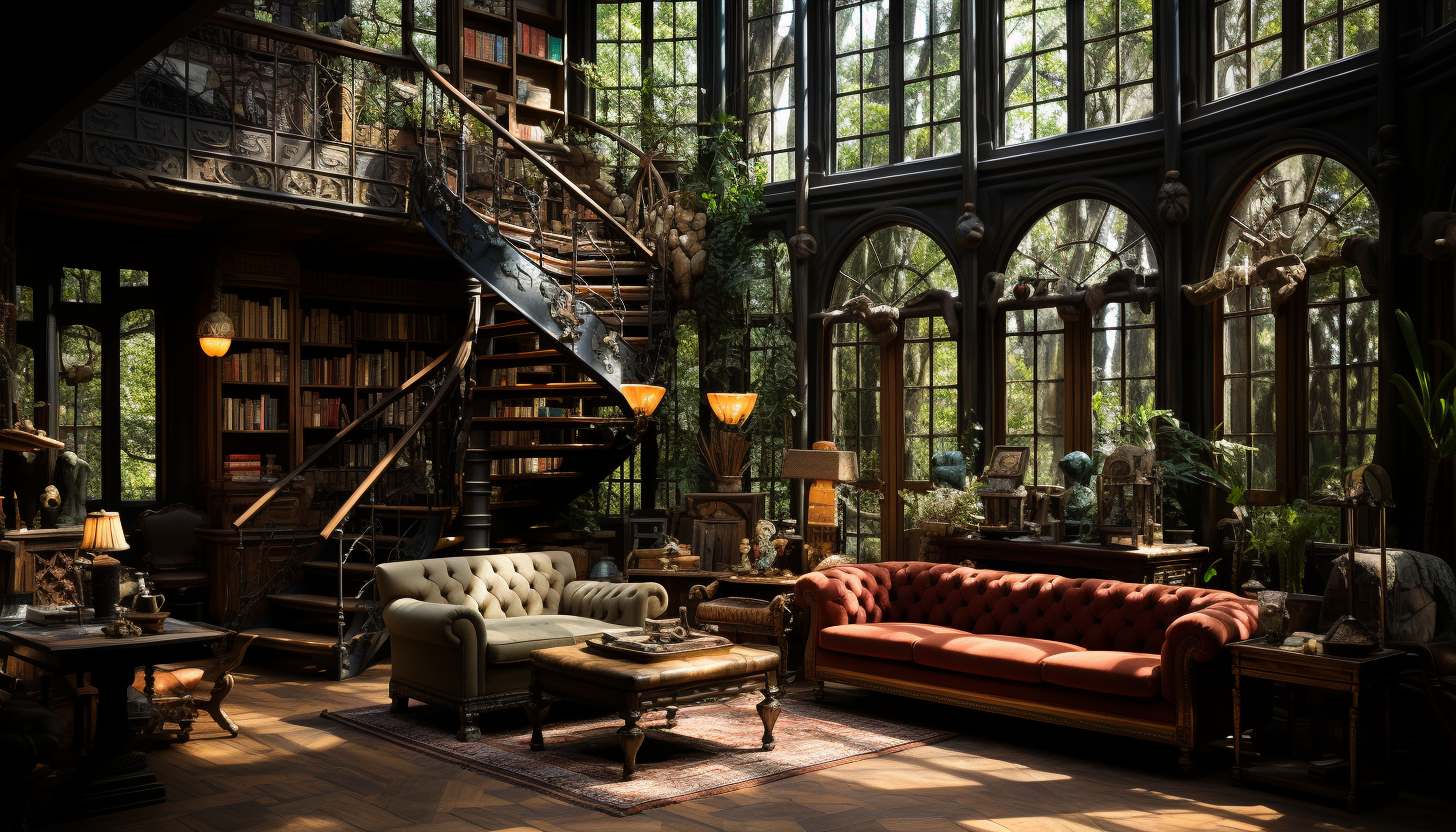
[242, 107]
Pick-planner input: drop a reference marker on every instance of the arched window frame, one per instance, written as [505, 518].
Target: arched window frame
[1062, 321]
[1292, 430]
[871, 518]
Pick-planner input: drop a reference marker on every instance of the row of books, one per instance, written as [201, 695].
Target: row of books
[487, 46]
[250, 467]
[256, 320]
[533, 40]
[361, 455]
[389, 369]
[536, 407]
[319, 411]
[508, 376]
[250, 414]
[401, 414]
[324, 370]
[320, 326]
[414, 326]
[533, 465]
[256, 365]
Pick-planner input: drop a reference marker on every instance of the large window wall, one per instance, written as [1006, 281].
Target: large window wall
[1254, 44]
[1324, 331]
[771, 87]
[638, 43]
[1073, 376]
[897, 89]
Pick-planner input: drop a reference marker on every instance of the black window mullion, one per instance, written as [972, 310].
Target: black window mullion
[897, 81]
[1293, 34]
[1076, 94]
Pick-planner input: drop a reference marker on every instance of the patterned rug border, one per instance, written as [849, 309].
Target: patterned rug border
[343, 718]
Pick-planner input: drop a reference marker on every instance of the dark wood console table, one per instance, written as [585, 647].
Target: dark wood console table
[112, 776]
[1171, 564]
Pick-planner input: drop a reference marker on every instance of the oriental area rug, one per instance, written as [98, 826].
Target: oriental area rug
[713, 749]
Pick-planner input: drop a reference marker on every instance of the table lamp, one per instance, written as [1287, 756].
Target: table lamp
[101, 534]
[825, 466]
[727, 450]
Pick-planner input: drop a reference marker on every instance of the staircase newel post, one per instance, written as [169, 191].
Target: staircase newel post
[341, 658]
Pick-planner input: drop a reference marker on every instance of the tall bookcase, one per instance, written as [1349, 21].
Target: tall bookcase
[528, 87]
[334, 343]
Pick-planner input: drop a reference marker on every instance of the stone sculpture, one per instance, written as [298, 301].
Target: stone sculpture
[72, 475]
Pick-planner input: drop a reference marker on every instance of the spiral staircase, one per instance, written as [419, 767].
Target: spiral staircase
[522, 414]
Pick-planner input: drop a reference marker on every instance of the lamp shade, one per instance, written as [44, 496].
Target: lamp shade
[732, 408]
[821, 464]
[102, 533]
[215, 333]
[644, 398]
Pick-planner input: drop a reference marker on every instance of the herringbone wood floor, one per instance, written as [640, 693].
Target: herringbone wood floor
[291, 770]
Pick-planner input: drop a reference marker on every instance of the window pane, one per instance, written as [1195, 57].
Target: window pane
[771, 87]
[138, 367]
[80, 285]
[24, 303]
[134, 277]
[1247, 48]
[1037, 31]
[1118, 55]
[80, 408]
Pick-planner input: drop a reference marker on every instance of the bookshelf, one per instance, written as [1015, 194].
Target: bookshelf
[513, 55]
[314, 351]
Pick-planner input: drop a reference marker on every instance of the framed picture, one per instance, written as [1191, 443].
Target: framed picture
[1009, 461]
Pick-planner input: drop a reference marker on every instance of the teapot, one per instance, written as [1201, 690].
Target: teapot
[146, 602]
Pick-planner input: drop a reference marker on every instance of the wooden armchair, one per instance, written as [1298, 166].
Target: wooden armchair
[174, 559]
[177, 689]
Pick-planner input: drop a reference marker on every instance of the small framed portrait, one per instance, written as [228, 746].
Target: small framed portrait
[1009, 461]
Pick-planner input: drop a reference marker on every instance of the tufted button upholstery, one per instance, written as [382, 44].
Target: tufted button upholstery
[1091, 613]
[496, 586]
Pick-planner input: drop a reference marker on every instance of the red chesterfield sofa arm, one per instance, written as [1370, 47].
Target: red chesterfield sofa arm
[857, 595]
[1201, 635]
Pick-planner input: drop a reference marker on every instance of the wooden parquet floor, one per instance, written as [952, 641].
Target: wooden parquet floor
[291, 770]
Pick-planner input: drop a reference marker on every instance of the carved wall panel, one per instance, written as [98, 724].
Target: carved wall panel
[232, 172]
[381, 195]
[315, 185]
[64, 146]
[113, 153]
[108, 118]
[161, 129]
[253, 144]
[296, 153]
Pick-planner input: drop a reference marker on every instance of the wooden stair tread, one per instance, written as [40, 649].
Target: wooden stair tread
[539, 475]
[411, 510]
[629, 293]
[500, 330]
[515, 390]
[306, 601]
[501, 451]
[355, 571]
[522, 359]
[548, 422]
[295, 641]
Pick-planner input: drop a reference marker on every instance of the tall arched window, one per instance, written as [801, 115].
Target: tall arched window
[1322, 330]
[892, 398]
[1074, 371]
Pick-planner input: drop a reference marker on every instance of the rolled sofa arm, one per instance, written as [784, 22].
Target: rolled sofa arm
[448, 625]
[845, 594]
[626, 604]
[1201, 634]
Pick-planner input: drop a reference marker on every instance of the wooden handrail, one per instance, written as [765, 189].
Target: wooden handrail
[340, 47]
[462, 357]
[536, 158]
[466, 341]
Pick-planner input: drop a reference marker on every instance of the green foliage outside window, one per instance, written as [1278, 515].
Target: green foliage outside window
[138, 367]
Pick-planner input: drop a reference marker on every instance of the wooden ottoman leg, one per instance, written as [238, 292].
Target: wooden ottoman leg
[630, 737]
[398, 704]
[536, 710]
[768, 711]
[672, 716]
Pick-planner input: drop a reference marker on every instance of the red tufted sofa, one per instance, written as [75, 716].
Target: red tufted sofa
[1144, 660]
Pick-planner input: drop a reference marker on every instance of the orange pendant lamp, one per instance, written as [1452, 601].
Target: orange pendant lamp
[644, 398]
[732, 408]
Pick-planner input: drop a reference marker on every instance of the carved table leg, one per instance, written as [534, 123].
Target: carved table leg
[630, 737]
[536, 709]
[768, 710]
[672, 716]
[1238, 731]
[1354, 798]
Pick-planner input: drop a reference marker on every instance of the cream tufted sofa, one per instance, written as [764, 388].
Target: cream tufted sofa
[462, 629]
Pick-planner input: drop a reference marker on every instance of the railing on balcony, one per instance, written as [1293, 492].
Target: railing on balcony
[243, 107]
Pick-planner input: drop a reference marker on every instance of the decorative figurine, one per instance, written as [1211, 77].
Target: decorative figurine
[766, 551]
[1130, 498]
[1004, 494]
[1081, 500]
[72, 475]
[948, 469]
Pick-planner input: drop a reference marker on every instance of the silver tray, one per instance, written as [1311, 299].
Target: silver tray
[638, 648]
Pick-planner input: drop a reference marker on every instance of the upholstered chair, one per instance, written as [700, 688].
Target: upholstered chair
[462, 629]
[174, 560]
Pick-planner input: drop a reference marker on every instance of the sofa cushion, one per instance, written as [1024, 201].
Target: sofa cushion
[1106, 671]
[1001, 657]
[513, 639]
[881, 641]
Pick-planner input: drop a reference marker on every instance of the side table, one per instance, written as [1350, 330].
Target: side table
[1366, 680]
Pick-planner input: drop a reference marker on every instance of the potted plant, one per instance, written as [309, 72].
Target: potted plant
[942, 511]
[1282, 534]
